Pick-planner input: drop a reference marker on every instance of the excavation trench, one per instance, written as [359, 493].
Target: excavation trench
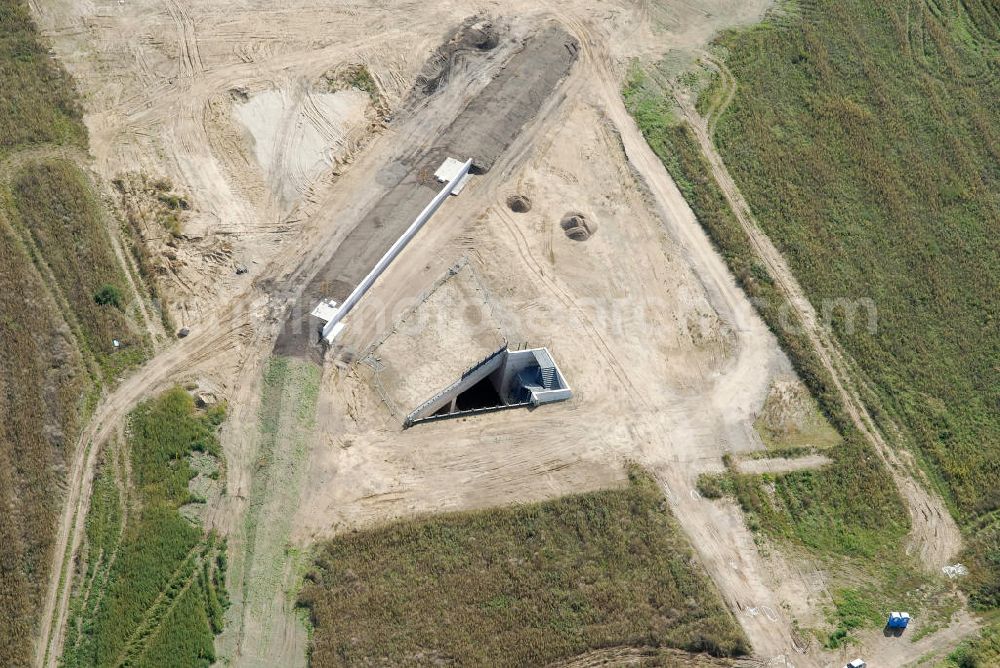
[476, 34]
[487, 125]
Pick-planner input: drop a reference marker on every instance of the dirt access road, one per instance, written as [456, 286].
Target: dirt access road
[668, 360]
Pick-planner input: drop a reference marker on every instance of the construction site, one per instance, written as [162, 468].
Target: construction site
[483, 285]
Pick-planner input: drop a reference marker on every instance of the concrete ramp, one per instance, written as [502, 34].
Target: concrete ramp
[504, 379]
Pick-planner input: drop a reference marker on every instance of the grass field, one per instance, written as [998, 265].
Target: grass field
[38, 422]
[150, 209]
[150, 588]
[811, 181]
[38, 104]
[54, 202]
[886, 143]
[866, 137]
[524, 585]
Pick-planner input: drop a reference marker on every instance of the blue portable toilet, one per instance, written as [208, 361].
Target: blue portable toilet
[899, 620]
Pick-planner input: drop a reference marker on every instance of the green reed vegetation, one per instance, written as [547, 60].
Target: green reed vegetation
[866, 151]
[522, 585]
[152, 590]
[866, 138]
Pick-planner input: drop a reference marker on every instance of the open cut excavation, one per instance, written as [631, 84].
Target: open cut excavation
[519, 203]
[577, 226]
[505, 379]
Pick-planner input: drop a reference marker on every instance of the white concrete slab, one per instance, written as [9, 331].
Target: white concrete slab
[448, 170]
[325, 310]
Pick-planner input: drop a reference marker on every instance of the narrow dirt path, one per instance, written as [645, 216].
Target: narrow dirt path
[934, 536]
[152, 325]
[782, 464]
[728, 83]
[10, 164]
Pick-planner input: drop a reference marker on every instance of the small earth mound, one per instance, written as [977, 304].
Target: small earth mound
[476, 34]
[519, 204]
[577, 227]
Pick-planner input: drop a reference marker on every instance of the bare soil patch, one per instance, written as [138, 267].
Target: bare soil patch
[451, 328]
[298, 133]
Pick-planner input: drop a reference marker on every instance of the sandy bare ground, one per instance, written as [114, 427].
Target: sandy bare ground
[297, 135]
[782, 464]
[669, 362]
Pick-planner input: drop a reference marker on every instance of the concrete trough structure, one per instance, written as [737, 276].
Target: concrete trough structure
[504, 379]
[325, 310]
[334, 321]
